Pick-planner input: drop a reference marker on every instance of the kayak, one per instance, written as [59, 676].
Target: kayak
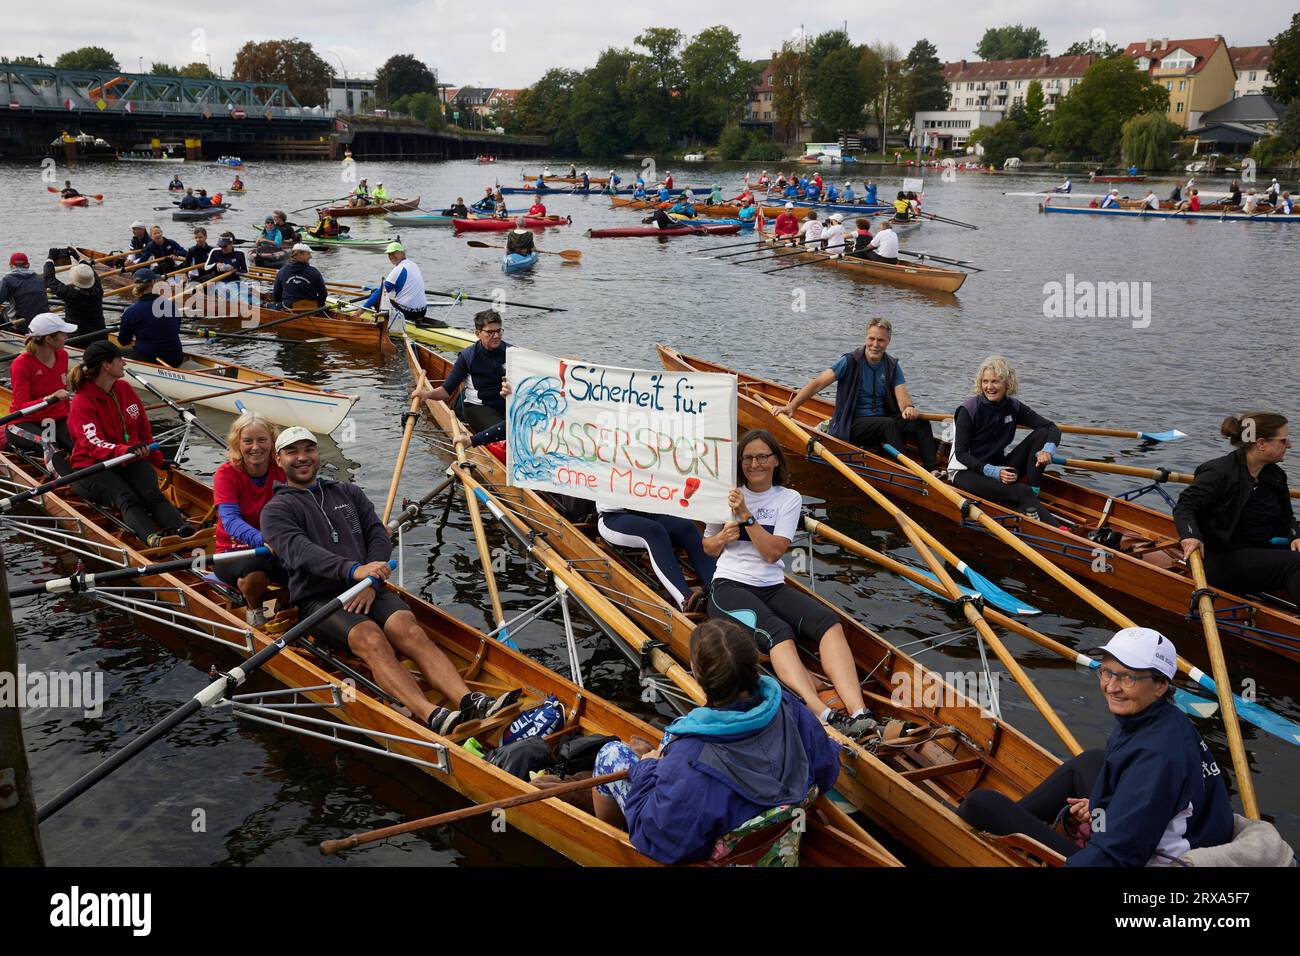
[237, 191]
[513, 262]
[746, 225]
[324, 242]
[271, 260]
[186, 215]
[419, 219]
[75, 201]
[727, 229]
[505, 225]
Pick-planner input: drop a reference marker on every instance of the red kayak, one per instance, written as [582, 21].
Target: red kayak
[76, 201]
[722, 229]
[505, 225]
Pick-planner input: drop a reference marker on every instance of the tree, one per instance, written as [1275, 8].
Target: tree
[600, 113]
[884, 69]
[654, 85]
[23, 61]
[822, 46]
[544, 108]
[1016, 42]
[716, 80]
[1089, 121]
[424, 106]
[839, 93]
[1095, 45]
[87, 58]
[1034, 103]
[402, 75]
[1000, 141]
[292, 62]
[733, 143]
[1285, 70]
[195, 71]
[1148, 140]
[923, 84]
[788, 93]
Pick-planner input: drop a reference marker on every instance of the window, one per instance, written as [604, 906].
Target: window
[1179, 108]
[1177, 61]
[1182, 85]
[1144, 63]
[1169, 85]
[767, 114]
[1252, 76]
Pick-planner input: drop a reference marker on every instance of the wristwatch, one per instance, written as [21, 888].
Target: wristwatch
[749, 522]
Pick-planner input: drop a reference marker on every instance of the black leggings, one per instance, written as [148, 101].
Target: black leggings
[480, 417]
[1255, 570]
[133, 490]
[772, 614]
[890, 429]
[1036, 812]
[1019, 495]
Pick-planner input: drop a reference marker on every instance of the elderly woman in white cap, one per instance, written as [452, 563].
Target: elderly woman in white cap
[139, 239]
[82, 295]
[298, 281]
[834, 235]
[1154, 793]
[40, 374]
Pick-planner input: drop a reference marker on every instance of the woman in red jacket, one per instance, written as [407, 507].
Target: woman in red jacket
[107, 419]
[39, 374]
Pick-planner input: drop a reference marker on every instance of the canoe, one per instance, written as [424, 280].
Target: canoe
[236, 191]
[399, 219]
[448, 338]
[1146, 563]
[573, 180]
[724, 211]
[621, 232]
[346, 242]
[505, 225]
[907, 793]
[365, 329]
[374, 209]
[340, 684]
[75, 200]
[913, 274]
[286, 402]
[271, 260]
[1116, 179]
[513, 262]
[746, 225]
[1219, 216]
[191, 215]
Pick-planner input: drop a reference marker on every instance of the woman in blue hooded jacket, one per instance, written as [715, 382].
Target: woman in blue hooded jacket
[751, 748]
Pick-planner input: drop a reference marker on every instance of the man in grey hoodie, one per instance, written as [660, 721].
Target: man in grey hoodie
[327, 535]
[24, 289]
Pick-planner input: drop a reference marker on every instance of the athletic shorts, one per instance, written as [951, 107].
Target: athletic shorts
[772, 614]
[229, 572]
[335, 628]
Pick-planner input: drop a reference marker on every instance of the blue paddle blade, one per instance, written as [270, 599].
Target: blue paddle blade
[505, 638]
[994, 595]
[1195, 705]
[941, 593]
[1254, 713]
[1172, 435]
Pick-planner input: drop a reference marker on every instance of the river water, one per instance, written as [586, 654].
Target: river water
[1207, 333]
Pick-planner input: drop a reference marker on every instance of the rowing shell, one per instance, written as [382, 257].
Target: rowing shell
[723, 211]
[915, 275]
[1222, 216]
[906, 792]
[1146, 563]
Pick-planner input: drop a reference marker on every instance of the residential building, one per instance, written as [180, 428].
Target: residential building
[1233, 128]
[502, 99]
[758, 112]
[1198, 74]
[1252, 65]
[949, 129]
[351, 94]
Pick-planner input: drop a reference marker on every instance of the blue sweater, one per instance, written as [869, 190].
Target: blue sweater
[155, 330]
[721, 767]
[1159, 787]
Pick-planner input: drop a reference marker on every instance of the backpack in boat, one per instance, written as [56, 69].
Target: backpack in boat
[577, 754]
[576, 510]
[522, 757]
[544, 719]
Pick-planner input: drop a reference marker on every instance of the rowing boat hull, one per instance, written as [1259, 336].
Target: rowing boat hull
[916, 276]
[626, 232]
[418, 219]
[196, 215]
[75, 201]
[723, 211]
[1147, 566]
[910, 807]
[571, 180]
[366, 330]
[1221, 216]
[513, 262]
[505, 225]
[334, 242]
[374, 209]
[1117, 179]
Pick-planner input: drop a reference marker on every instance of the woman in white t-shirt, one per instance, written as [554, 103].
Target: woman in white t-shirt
[749, 584]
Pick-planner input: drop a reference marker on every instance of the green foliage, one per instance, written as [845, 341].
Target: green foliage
[23, 61]
[1285, 70]
[1032, 154]
[789, 93]
[1034, 103]
[403, 75]
[1001, 141]
[601, 111]
[1147, 141]
[87, 58]
[733, 143]
[1089, 121]
[1011, 42]
[424, 106]
[544, 109]
[1272, 152]
[763, 150]
[924, 87]
[1095, 46]
[717, 80]
[293, 62]
[654, 82]
[839, 92]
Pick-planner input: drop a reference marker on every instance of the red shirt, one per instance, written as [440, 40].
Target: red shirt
[31, 382]
[232, 485]
[537, 209]
[105, 425]
[787, 224]
[1193, 205]
[668, 181]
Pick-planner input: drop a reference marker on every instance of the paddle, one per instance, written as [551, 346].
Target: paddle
[102, 259]
[82, 581]
[922, 256]
[320, 202]
[24, 412]
[571, 254]
[331, 847]
[215, 694]
[1160, 475]
[951, 222]
[98, 197]
[807, 262]
[8, 504]
[1172, 435]
[1257, 714]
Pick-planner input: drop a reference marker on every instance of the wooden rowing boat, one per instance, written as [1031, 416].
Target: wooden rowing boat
[341, 685]
[374, 209]
[912, 274]
[722, 211]
[572, 180]
[284, 401]
[908, 792]
[1145, 563]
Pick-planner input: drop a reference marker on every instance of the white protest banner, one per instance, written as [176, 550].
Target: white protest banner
[656, 441]
[913, 185]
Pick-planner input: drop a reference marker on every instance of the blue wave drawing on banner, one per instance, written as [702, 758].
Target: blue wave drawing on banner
[537, 401]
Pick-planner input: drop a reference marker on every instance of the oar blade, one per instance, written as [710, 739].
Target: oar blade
[1195, 705]
[1004, 601]
[1254, 713]
[1172, 435]
[941, 594]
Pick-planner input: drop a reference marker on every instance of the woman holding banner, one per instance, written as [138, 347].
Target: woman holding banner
[749, 585]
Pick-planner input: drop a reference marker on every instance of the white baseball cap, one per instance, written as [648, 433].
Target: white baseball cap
[294, 433]
[789, 205]
[137, 225]
[301, 247]
[837, 217]
[47, 323]
[1142, 649]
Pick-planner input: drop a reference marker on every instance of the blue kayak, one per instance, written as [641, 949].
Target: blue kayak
[513, 262]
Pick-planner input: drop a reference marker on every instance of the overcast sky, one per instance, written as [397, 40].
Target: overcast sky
[512, 43]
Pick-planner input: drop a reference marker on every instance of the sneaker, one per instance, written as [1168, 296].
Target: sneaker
[695, 602]
[479, 706]
[184, 531]
[443, 721]
[255, 617]
[154, 540]
[855, 728]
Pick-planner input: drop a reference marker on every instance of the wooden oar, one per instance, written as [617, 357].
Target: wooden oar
[102, 259]
[563, 253]
[992, 593]
[131, 268]
[1257, 714]
[331, 847]
[1219, 668]
[1160, 475]
[323, 202]
[454, 295]
[922, 256]
[817, 257]
[771, 252]
[1172, 435]
[411, 417]
[165, 275]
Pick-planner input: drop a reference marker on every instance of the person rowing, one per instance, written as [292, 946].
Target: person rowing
[847, 194]
[107, 420]
[791, 190]
[1176, 195]
[160, 247]
[984, 428]
[1234, 196]
[1284, 205]
[872, 404]
[684, 206]
[230, 265]
[288, 230]
[22, 291]
[487, 203]
[482, 368]
[1251, 205]
[833, 237]
[238, 185]
[196, 256]
[538, 208]
[750, 749]
[665, 194]
[380, 195]
[360, 195]
[638, 191]
[1150, 201]
[573, 171]
[831, 194]
[457, 210]
[787, 224]
[662, 219]
[902, 208]
[749, 585]
[82, 294]
[883, 246]
[241, 488]
[1065, 187]
[520, 240]
[176, 185]
[205, 201]
[404, 288]
[1237, 512]
[189, 201]
[747, 211]
[298, 282]
[1111, 201]
[40, 374]
[861, 240]
[871, 197]
[715, 195]
[327, 535]
[152, 322]
[327, 226]
[1274, 190]
[1154, 793]
[68, 192]
[585, 185]
[810, 232]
